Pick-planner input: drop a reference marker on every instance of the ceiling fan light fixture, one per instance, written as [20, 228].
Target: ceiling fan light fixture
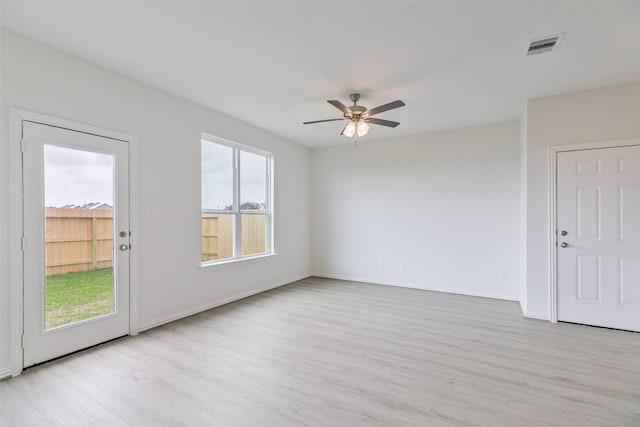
[356, 128]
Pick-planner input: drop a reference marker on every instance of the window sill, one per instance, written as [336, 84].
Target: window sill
[216, 265]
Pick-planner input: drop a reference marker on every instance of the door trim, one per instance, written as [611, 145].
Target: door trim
[552, 223]
[16, 289]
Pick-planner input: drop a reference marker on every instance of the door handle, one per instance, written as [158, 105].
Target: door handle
[124, 247]
[564, 245]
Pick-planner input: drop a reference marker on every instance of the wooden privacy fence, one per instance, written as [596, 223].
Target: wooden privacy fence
[78, 239]
[82, 239]
[217, 235]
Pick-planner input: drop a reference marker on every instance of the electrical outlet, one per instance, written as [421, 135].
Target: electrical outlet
[381, 265]
[502, 276]
[403, 267]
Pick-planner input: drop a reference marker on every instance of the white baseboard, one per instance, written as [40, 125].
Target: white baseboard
[534, 315]
[414, 286]
[5, 372]
[185, 313]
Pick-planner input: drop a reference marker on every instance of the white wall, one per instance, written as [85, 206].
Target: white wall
[595, 115]
[45, 80]
[445, 204]
[523, 212]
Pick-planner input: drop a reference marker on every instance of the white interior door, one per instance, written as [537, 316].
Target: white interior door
[598, 237]
[76, 240]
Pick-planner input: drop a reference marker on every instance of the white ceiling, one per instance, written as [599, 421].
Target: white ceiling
[274, 64]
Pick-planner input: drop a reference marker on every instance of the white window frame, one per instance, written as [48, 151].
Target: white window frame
[236, 211]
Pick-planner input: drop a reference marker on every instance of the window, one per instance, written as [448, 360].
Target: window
[236, 201]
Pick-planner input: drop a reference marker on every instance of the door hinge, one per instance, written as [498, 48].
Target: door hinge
[22, 243]
[23, 342]
[22, 145]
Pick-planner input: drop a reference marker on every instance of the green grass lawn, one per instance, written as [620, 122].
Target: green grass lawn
[76, 296]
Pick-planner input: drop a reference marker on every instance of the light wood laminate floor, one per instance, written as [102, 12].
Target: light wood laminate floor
[324, 352]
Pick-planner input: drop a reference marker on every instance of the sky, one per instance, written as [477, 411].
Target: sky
[77, 177]
[217, 176]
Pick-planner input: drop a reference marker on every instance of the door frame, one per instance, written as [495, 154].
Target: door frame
[16, 289]
[553, 189]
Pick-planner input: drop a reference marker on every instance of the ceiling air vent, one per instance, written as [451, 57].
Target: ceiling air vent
[544, 44]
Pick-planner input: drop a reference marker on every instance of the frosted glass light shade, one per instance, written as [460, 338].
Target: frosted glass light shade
[349, 130]
[363, 128]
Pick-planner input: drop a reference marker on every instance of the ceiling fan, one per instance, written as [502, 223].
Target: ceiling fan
[359, 116]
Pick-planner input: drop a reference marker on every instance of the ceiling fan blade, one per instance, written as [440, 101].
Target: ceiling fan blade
[340, 106]
[375, 121]
[320, 121]
[385, 107]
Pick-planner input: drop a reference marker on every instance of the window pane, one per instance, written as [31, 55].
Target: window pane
[217, 177]
[78, 246]
[236, 210]
[217, 236]
[254, 234]
[253, 181]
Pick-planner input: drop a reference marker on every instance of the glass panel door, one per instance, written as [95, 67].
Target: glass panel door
[76, 240]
